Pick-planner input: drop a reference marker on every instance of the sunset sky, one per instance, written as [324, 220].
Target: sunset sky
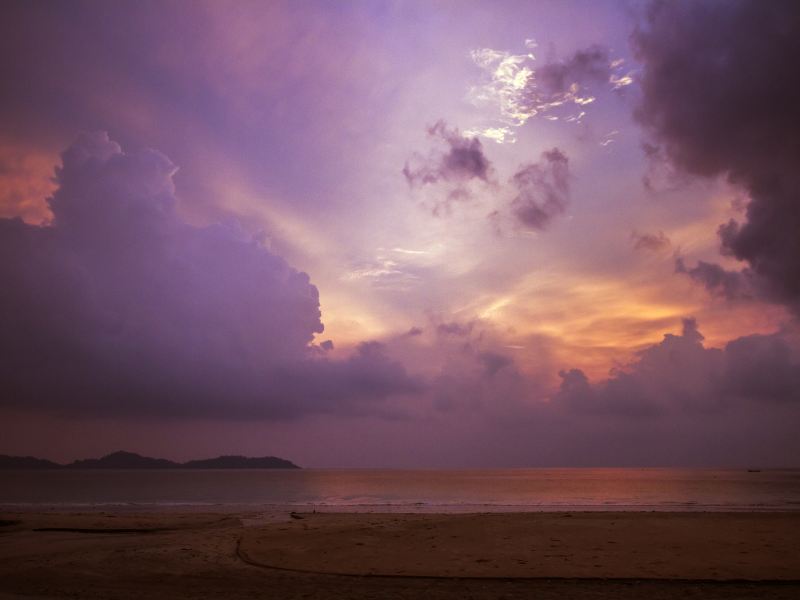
[403, 234]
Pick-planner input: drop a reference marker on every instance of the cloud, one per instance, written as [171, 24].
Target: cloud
[384, 273]
[542, 190]
[762, 367]
[456, 165]
[680, 375]
[585, 67]
[25, 181]
[652, 242]
[718, 99]
[463, 159]
[731, 285]
[118, 307]
[455, 328]
[521, 89]
[494, 362]
[678, 402]
[475, 375]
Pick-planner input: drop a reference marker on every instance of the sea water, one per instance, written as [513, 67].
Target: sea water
[485, 490]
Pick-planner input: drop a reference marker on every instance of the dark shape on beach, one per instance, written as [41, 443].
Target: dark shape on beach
[130, 460]
[125, 530]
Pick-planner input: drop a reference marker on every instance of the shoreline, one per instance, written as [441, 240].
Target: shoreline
[395, 509]
[233, 554]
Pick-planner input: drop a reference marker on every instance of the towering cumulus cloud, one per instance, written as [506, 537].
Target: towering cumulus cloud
[119, 307]
[680, 375]
[721, 95]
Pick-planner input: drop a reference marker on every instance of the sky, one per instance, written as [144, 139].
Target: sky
[402, 234]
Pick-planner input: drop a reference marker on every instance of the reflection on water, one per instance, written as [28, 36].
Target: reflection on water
[440, 490]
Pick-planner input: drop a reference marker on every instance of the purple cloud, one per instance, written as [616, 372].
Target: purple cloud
[462, 161]
[652, 242]
[119, 307]
[542, 190]
[494, 362]
[455, 328]
[586, 66]
[731, 285]
[718, 99]
[521, 88]
[680, 375]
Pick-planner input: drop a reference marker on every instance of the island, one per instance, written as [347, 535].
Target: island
[131, 460]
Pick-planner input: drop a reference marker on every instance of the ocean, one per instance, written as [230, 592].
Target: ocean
[485, 490]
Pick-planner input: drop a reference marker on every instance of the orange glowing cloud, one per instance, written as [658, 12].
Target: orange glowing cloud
[26, 180]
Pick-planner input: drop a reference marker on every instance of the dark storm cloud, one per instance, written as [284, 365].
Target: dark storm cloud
[721, 96]
[119, 307]
[542, 190]
[463, 159]
[762, 367]
[731, 285]
[680, 375]
[652, 242]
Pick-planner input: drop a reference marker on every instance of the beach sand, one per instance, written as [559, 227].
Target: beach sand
[172, 554]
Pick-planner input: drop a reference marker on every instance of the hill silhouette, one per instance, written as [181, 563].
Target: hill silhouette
[131, 460]
[26, 462]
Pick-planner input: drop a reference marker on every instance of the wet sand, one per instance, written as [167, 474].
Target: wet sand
[329, 555]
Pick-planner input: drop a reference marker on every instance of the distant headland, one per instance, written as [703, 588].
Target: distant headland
[130, 460]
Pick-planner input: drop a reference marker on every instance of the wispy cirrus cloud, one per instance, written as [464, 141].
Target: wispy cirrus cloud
[519, 88]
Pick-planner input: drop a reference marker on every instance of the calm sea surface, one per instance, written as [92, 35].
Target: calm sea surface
[417, 490]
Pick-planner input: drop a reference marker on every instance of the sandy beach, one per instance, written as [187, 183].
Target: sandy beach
[276, 554]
